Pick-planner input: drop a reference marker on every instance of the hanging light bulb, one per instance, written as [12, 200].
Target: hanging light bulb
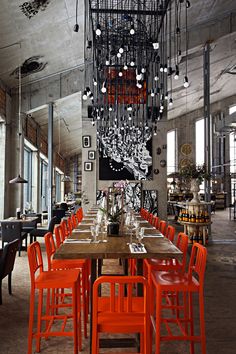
[107, 61]
[143, 70]
[98, 30]
[130, 117]
[186, 83]
[85, 95]
[139, 85]
[170, 102]
[176, 72]
[93, 123]
[152, 93]
[110, 108]
[155, 45]
[98, 117]
[166, 96]
[165, 68]
[88, 91]
[161, 68]
[155, 130]
[125, 67]
[188, 4]
[162, 106]
[132, 31]
[129, 108]
[156, 78]
[91, 96]
[118, 55]
[121, 49]
[104, 89]
[132, 63]
[120, 73]
[95, 82]
[138, 77]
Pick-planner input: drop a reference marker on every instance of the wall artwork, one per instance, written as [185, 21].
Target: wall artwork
[88, 166]
[150, 201]
[125, 161]
[133, 195]
[100, 197]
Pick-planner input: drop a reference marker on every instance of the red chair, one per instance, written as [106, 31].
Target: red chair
[150, 217]
[185, 285]
[79, 214]
[51, 281]
[74, 221]
[55, 264]
[170, 233]
[65, 229]
[120, 313]
[162, 227]
[70, 225]
[59, 234]
[155, 222]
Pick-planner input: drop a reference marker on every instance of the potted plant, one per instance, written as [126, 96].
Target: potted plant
[113, 218]
[194, 174]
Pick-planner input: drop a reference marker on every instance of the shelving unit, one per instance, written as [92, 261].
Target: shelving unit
[196, 221]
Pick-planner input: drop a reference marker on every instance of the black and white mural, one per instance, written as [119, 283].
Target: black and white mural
[100, 197]
[125, 158]
[133, 195]
[150, 201]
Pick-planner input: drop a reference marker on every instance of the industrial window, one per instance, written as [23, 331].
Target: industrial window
[58, 187]
[171, 151]
[200, 144]
[232, 109]
[44, 184]
[28, 177]
[232, 156]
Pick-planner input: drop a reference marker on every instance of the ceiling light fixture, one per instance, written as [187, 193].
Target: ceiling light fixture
[186, 83]
[98, 30]
[76, 26]
[132, 31]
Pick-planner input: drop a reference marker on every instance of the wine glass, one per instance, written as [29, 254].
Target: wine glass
[140, 234]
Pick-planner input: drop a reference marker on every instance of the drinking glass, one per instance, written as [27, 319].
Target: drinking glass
[94, 232]
[140, 234]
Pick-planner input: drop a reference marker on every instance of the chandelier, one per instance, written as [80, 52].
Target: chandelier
[136, 51]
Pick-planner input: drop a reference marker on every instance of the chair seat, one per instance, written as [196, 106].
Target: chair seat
[174, 281]
[49, 279]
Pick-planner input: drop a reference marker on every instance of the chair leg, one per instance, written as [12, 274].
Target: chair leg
[75, 317]
[202, 323]
[1, 292]
[31, 321]
[158, 320]
[9, 283]
[191, 321]
[40, 306]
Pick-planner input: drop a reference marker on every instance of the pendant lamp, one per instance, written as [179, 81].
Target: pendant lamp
[19, 178]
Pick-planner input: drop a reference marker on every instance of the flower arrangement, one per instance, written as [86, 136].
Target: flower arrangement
[192, 171]
[113, 216]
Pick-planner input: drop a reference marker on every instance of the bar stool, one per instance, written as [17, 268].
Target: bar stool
[182, 284]
[51, 281]
[82, 264]
[120, 313]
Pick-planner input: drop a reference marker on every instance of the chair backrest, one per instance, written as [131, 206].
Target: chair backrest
[74, 220]
[170, 233]
[65, 229]
[182, 244]
[11, 230]
[155, 222]
[69, 225]
[7, 259]
[119, 300]
[79, 214]
[150, 217]
[59, 234]
[162, 226]
[50, 247]
[35, 260]
[197, 263]
[52, 223]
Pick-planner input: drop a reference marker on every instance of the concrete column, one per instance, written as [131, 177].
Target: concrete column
[50, 159]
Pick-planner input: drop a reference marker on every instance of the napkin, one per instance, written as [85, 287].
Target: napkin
[153, 235]
[134, 248]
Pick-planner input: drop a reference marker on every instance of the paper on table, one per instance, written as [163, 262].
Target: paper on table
[85, 230]
[134, 248]
[73, 240]
[153, 235]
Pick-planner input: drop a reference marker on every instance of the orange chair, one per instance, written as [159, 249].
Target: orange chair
[51, 281]
[55, 264]
[170, 233]
[150, 217]
[59, 234]
[185, 285]
[74, 221]
[120, 313]
[79, 214]
[65, 229]
[162, 227]
[155, 222]
[70, 225]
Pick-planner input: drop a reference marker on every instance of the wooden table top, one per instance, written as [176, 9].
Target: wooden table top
[27, 219]
[116, 247]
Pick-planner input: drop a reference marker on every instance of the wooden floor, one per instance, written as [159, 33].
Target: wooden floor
[220, 293]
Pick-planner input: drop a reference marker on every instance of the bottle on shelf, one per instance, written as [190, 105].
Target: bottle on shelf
[187, 216]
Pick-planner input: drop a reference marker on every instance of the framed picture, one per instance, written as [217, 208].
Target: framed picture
[86, 141]
[88, 166]
[91, 155]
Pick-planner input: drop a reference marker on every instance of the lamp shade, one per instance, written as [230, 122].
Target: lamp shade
[18, 179]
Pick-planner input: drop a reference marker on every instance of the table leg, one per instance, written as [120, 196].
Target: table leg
[92, 280]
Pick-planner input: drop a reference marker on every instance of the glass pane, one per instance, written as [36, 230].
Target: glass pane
[200, 144]
[171, 151]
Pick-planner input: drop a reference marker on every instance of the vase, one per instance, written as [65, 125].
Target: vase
[195, 188]
[113, 229]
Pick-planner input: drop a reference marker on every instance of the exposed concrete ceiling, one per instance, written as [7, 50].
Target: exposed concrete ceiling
[67, 124]
[49, 34]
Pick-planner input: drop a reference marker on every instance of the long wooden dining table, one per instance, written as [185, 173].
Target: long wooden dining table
[116, 247]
